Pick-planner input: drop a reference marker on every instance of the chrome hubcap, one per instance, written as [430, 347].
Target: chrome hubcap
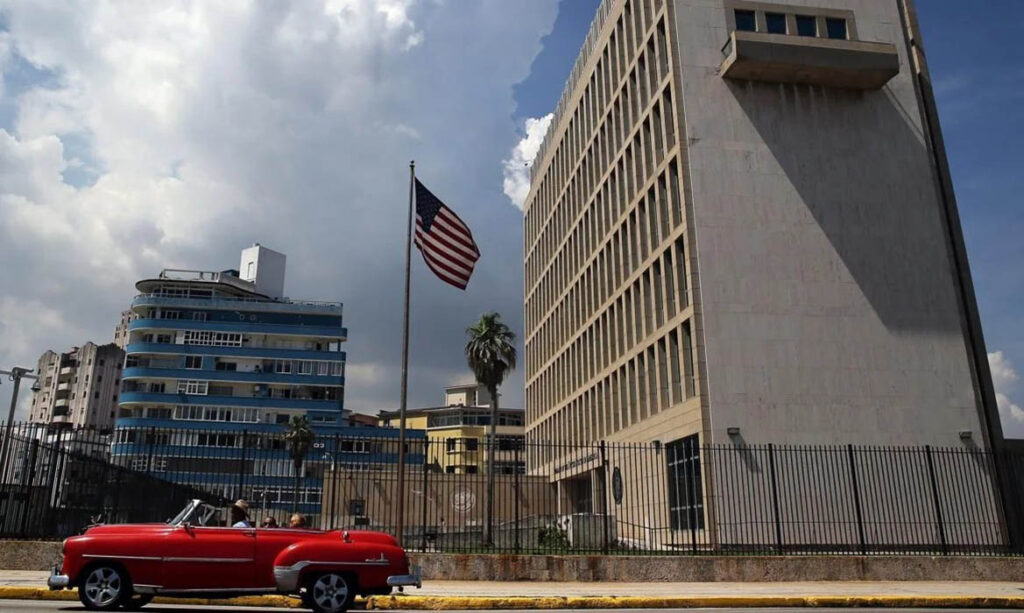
[103, 586]
[330, 592]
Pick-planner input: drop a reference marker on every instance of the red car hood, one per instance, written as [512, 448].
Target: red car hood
[127, 529]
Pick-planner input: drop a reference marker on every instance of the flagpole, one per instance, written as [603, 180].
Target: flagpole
[405, 361]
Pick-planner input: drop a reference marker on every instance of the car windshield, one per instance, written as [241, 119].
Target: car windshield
[198, 513]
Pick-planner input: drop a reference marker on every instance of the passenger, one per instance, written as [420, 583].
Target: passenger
[298, 521]
[240, 515]
[269, 522]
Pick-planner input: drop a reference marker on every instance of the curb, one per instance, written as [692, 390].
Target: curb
[455, 603]
[450, 603]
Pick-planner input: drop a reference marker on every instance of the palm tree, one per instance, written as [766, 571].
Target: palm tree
[299, 438]
[491, 355]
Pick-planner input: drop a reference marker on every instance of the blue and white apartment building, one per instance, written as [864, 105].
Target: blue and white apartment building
[216, 365]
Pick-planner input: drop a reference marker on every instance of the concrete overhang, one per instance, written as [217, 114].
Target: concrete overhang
[783, 58]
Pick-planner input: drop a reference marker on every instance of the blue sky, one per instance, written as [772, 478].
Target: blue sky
[133, 140]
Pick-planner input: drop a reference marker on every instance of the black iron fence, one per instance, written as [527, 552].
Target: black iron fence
[53, 484]
[635, 498]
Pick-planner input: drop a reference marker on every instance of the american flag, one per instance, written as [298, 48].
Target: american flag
[445, 242]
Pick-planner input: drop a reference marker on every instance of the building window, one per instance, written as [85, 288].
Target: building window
[472, 444]
[471, 469]
[232, 366]
[189, 386]
[806, 25]
[835, 28]
[170, 315]
[775, 23]
[198, 316]
[745, 21]
[685, 493]
[193, 362]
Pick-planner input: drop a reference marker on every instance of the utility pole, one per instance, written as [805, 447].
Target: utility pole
[16, 374]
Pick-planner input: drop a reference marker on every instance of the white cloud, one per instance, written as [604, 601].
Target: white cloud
[1004, 379]
[213, 125]
[517, 167]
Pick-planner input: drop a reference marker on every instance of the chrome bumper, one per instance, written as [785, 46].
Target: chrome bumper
[413, 578]
[57, 581]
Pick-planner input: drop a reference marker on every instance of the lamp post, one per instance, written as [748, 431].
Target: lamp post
[16, 374]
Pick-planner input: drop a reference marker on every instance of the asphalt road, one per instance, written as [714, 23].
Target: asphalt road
[33, 606]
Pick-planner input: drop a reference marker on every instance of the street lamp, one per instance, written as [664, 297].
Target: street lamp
[16, 374]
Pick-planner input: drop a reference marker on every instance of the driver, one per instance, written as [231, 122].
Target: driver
[240, 515]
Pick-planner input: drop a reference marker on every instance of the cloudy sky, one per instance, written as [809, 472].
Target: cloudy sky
[139, 136]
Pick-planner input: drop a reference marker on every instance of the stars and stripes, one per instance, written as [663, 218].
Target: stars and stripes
[444, 240]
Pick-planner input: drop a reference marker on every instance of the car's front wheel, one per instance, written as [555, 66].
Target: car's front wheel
[329, 593]
[103, 587]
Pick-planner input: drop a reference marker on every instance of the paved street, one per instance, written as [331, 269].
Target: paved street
[17, 606]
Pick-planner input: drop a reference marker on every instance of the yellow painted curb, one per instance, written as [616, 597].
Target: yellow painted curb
[450, 603]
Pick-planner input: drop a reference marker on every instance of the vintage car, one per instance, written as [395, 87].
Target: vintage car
[196, 554]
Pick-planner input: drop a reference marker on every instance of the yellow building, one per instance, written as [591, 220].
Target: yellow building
[457, 432]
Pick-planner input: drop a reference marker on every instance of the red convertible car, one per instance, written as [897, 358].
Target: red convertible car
[195, 554]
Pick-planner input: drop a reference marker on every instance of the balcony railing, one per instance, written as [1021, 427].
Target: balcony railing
[283, 305]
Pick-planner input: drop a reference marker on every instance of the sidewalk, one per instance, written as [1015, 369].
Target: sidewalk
[452, 595]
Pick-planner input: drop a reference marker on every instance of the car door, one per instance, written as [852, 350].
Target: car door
[209, 558]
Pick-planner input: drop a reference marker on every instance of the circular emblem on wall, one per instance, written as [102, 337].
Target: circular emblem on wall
[617, 485]
[463, 501]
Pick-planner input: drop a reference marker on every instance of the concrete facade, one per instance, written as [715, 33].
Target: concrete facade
[740, 233]
[732, 253]
[78, 389]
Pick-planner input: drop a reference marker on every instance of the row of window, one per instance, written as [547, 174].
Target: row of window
[617, 93]
[802, 25]
[473, 418]
[212, 339]
[657, 378]
[647, 225]
[228, 414]
[234, 339]
[654, 298]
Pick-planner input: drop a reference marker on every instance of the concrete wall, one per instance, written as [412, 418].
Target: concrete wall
[712, 568]
[41, 555]
[829, 300]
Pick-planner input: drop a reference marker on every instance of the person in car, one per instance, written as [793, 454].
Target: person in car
[269, 522]
[298, 520]
[240, 515]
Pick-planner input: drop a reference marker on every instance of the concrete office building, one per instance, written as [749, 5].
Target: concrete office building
[457, 432]
[79, 388]
[121, 335]
[741, 229]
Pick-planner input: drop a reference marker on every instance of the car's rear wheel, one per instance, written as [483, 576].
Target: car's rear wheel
[104, 587]
[329, 593]
[136, 601]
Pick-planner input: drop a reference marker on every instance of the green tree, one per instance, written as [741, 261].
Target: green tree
[491, 355]
[299, 438]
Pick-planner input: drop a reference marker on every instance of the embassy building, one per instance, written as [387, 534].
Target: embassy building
[741, 230]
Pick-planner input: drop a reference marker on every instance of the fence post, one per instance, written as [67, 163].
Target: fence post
[517, 495]
[426, 484]
[604, 497]
[856, 501]
[241, 465]
[935, 498]
[34, 454]
[775, 496]
[152, 443]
